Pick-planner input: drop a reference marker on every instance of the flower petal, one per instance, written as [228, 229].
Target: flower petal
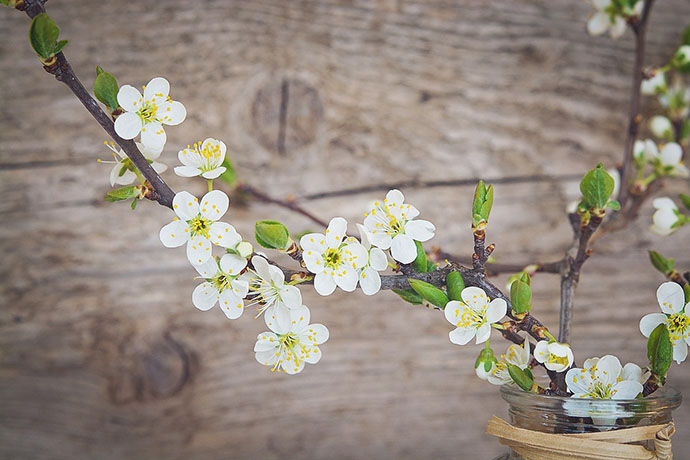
[174, 234]
[214, 173]
[129, 99]
[277, 275]
[336, 232]
[185, 205]
[618, 27]
[483, 333]
[649, 322]
[240, 288]
[128, 125]
[224, 235]
[627, 389]
[261, 267]
[355, 255]
[680, 351]
[173, 113]
[266, 341]
[277, 318]
[608, 370]
[198, 249]
[395, 197]
[324, 284]
[541, 351]
[187, 171]
[232, 264]
[496, 310]
[299, 319]
[671, 154]
[311, 354]
[313, 242]
[381, 239]
[208, 269]
[370, 281]
[214, 205]
[403, 249]
[475, 298]
[347, 279]
[267, 358]
[291, 296]
[378, 259]
[157, 89]
[420, 230]
[598, 23]
[317, 333]
[453, 311]
[231, 304]
[204, 296]
[462, 335]
[153, 135]
[578, 380]
[671, 297]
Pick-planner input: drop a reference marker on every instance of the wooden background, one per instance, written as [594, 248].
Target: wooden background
[102, 354]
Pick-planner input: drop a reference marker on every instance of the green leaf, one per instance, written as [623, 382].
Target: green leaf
[483, 200]
[486, 357]
[597, 187]
[686, 290]
[431, 266]
[105, 89]
[230, 175]
[488, 203]
[271, 234]
[420, 263]
[5, 2]
[43, 33]
[122, 193]
[60, 46]
[134, 203]
[661, 263]
[613, 204]
[409, 295]
[525, 278]
[660, 351]
[685, 199]
[454, 285]
[520, 377]
[431, 293]
[686, 36]
[520, 296]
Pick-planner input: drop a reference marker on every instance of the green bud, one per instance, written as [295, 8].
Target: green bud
[43, 35]
[409, 295]
[122, 193]
[521, 296]
[483, 201]
[659, 351]
[420, 263]
[272, 235]
[486, 359]
[597, 187]
[244, 249]
[454, 285]
[523, 378]
[230, 175]
[431, 293]
[105, 89]
[524, 276]
[661, 263]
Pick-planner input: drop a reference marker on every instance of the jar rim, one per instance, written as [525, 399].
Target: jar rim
[663, 397]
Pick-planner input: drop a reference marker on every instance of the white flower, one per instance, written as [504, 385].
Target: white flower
[481, 371]
[392, 226]
[148, 114]
[661, 127]
[517, 355]
[682, 55]
[334, 262]
[267, 290]
[672, 302]
[670, 159]
[290, 350]
[222, 285]
[654, 85]
[645, 150]
[369, 278]
[603, 378]
[603, 20]
[123, 171]
[665, 219]
[554, 356]
[198, 225]
[205, 159]
[473, 316]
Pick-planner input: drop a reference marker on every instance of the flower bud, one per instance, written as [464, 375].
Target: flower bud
[244, 248]
[485, 363]
[682, 56]
[661, 127]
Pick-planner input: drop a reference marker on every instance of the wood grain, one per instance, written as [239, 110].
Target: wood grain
[102, 354]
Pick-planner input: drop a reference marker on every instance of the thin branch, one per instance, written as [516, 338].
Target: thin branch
[63, 72]
[287, 204]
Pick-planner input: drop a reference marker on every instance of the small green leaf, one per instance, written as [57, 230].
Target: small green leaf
[686, 36]
[60, 46]
[520, 377]
[524, 276]
[43, 33]
[660, 351]
[105, 89]
[488, 203]
[409, 295]
[420, 263]
[122, 193]
[5, 2]
[686, 290]
[613, 204]
[272, 235]
[454, 285]
[483, 200]
[520, 296]
[661, 263]
[230, 175]
[134, 203]
[597, 187]
[431, 266]
[685, 199]
[431, 293]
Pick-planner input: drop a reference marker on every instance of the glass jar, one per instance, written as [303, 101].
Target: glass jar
[557, 414]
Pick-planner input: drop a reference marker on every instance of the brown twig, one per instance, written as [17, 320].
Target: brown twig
[63, 72]
[287, 204]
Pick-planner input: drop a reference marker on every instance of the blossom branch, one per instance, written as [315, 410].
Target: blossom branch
[158, 190]
[288, 204]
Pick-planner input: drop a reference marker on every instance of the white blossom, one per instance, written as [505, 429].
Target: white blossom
[204, 159]
[682, 55]
[222, 285]
[670, 159]
[645, 150]
[604, 20]
[473, 316]
[198, 225]
[481, 371]
[603, 378]
[517, 355]
[554, 356]
[148, 113]
[290, 350]
[335, 263]
[369, 278]
[123, 169]
[268, 291]
[661, 126]
[392, 225]
[675, 315]
[666, 217]
[654, 85]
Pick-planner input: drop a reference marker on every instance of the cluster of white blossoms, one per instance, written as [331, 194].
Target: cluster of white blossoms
[612, 17]
[674, 315]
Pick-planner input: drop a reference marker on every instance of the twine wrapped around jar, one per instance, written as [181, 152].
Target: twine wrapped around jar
[607, 445]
